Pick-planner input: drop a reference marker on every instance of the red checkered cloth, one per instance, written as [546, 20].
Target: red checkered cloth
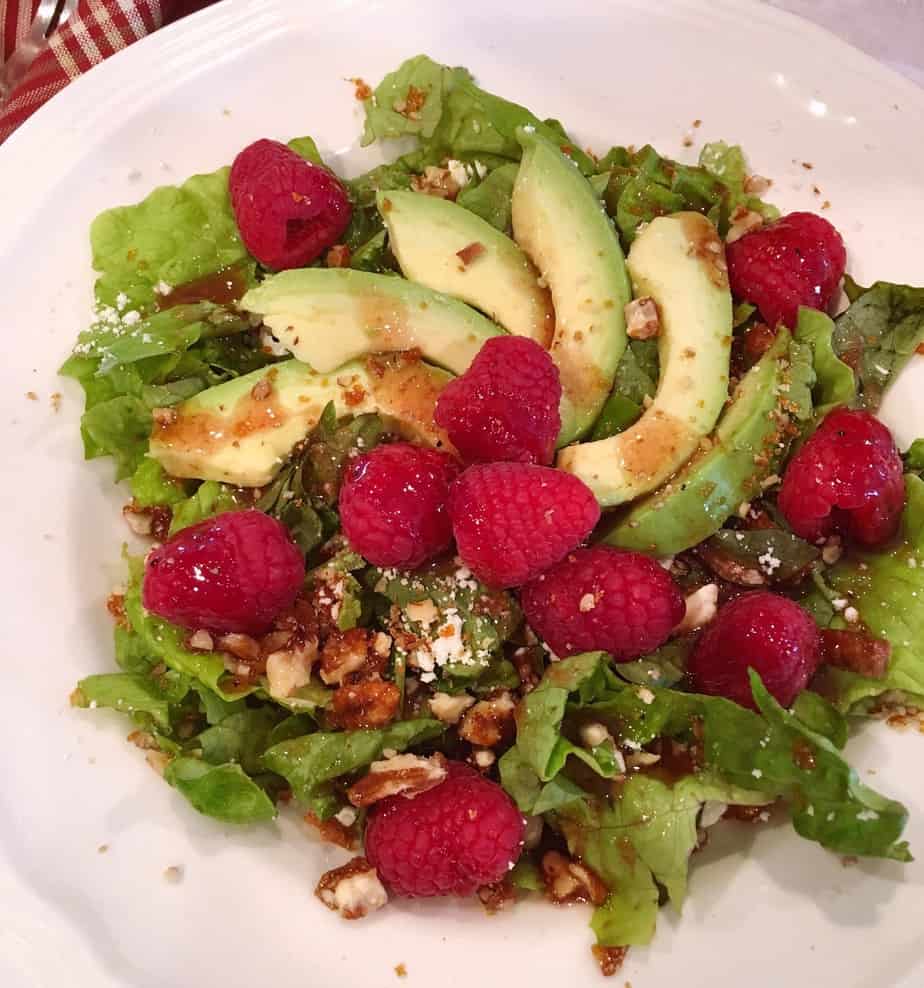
[95, 30]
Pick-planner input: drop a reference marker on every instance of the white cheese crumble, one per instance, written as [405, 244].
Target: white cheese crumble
[851, 615]
[769, 563]
[757, 773]
[702, 605]
[587, 603]
[645, 695]
[867, 816]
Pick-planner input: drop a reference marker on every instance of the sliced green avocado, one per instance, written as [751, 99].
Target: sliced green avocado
[726, 473]
[327, 316]
[679, 262]
[242, 431]
[450, 249]
[559, 221]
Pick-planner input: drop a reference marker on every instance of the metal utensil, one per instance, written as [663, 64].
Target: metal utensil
[51, 14]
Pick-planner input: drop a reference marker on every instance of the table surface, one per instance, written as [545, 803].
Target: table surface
[889, 30]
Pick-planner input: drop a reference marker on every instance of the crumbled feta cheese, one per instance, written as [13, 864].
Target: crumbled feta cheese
[357, 895]
[593, 735]
[587, 603]
[769, 563]
[757, 773]
[701, 609]
[645, 695]
[867, 816]
[839, 603]
[851, 615]
[449, 709]
[121, 301]
[347, 816]
[449, 646]
[424, 612]
[481, 169]
[485, 758]
[459, 172]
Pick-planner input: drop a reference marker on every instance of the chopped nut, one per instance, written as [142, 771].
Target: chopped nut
[365, 705]
[164, 417]
[242, 647]
[361, 89]
[489, 722]
[174, 874]
[353, 890]
[642, 759]
[756, 185]
[568, 880]
[338, 256]
[381, 645]
[702, 605]
[610, 959]
[333, 831]
[498, 896]
[532, 835]
[143, 740]
[289, 669]
[401, 970]
[484, 758]
[469, 254]
[345, 652]
[587, 603]
[262, 389]
[423, 612]
[832, 551]
[115, 604]
[407, 775]
[449, 709]
[200, 641]
[860, 653]
[642, 319]
[152, 521]
[158, 760]
[742, 221]
[436, 182]
[593, 735]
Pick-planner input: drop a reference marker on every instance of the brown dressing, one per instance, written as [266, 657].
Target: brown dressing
[222, 287]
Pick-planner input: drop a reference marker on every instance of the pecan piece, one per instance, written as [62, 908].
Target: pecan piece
[489, 722]
[333, 831]
[642, 319]
[568, 880]
[498, 896]
[610, 959]
[353, 890]
[860, 653]
[728, 569]
[449, 709]
[343, 653]
[362, 705]
[407, 775]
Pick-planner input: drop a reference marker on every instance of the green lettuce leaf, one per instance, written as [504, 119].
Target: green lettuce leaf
[887, 589]
[878, 334]
[311, 762]
[491, 197]
[727, 163]
[224, 792]
[240, 737]
[209, 499]
[151, 485]
[834, 380]
[129, 693]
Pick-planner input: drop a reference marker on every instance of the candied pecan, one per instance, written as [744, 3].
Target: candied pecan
[143, 740]
[115, 604]
[362, 705]
[529, 663]
[338, 256]
[242, 647]
[742, 221]
[449, 709]
[568, 880]
[343, 653]
[642, 319]
[728, 569]
[489, 722]
[333, 831]
[436, 182]
[470, 253]
[747, 814]
[153, 520]
[324, 605]
[407, 775]
[200, 641]
[288, 669]
[353, 890]
[854, 650]
[498, 896]
[748, 347]
[610, 959]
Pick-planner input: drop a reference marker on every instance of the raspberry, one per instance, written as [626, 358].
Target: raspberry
[603, 598]
[847, 478]
[450, 840]
[798, 260]
[288, 210]
[514, 520]
[393, 504]
[505, 406]
[233, 572]
[765, 632]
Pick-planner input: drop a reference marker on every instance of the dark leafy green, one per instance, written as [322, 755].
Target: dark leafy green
[776, 554]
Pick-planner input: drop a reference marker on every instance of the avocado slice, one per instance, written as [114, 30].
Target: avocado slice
[710, 488]
[679, 261]
[450, 249]
[562, 226]
[327, 316]
[242, 431]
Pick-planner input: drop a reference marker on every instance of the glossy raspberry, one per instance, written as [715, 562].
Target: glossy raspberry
[233, 572]
[763, 631]
[514, 520]
[603, 598]
[847, 478]
[393, 504]
[447, 841]
[288, 210]
[505, 406]
[798, 260]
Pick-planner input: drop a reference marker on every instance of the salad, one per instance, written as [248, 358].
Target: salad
[516, 515]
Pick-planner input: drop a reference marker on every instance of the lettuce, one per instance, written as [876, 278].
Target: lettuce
[209, 499]
[887, 588]
[129, 693]
[491, 197]
[310, 763]
[878, 334]
[224, 792]
[834, 380]
[636, 378]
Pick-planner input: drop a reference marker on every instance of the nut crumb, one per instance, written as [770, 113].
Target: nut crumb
[102, 849]
[361, 89]
[401, 970]
[807, 165]
[174, 874]
[610, 959]
[56, 401]
[32, 396]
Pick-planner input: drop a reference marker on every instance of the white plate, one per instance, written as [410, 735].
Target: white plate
[774, 909]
